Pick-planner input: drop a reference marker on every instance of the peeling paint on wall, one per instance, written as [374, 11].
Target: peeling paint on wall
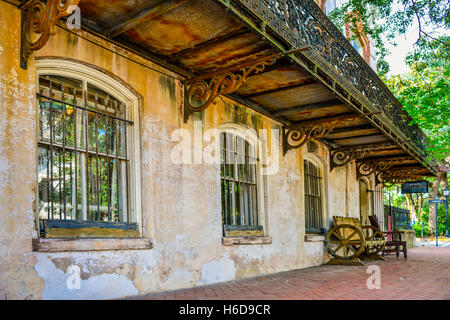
[107, 286]
[218, 271]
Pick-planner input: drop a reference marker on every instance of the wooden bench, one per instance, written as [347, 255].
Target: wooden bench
[394, 242]
[348, 242]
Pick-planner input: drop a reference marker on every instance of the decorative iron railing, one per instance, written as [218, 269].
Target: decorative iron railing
[333, 53]
[318, 31]
[400, 218]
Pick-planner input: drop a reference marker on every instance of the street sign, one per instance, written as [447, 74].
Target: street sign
[436, 201]
[444, 168]
[415, 187]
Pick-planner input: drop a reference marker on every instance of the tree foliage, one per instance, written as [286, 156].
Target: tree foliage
[386, 19]
[425, 93]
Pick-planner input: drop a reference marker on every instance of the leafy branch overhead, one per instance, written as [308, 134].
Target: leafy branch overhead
[386, 19]
[425, 93]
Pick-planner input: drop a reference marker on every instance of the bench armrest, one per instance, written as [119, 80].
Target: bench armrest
[394, 233]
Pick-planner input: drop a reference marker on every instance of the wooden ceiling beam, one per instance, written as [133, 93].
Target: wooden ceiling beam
[307, 107]
[380, 146]
[282, 88]
[343, 117]
[353, 128]
[397, 157]
[360, 136]
[145, 15]
[209, 43]
[412, 166]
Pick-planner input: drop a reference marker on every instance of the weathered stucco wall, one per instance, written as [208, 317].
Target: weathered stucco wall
[18, 279]
[180, 203]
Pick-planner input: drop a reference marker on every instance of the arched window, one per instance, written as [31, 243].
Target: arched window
[86, 157]
[240, 181]
[313, 186]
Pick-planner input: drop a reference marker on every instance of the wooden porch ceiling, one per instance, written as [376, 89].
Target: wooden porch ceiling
[200, 37]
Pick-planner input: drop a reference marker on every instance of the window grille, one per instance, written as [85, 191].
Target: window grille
[313, 197]
[238, 181]
[82, 152]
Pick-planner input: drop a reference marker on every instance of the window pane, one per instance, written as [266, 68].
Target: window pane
[56, 117]
[313, 198]
[238, 172]
[75, 182]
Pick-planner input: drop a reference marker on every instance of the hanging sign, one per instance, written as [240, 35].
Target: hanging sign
[415, 187]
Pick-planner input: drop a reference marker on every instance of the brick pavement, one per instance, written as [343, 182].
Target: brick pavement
[425, 275]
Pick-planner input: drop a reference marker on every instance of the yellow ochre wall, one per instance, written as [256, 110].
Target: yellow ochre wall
[181, 210]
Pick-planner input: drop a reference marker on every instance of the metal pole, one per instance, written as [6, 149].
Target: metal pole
[437, 226]
[446, 216]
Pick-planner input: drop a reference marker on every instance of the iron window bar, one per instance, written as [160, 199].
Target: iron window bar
[113, 127]
[313, 197]
[238, 181]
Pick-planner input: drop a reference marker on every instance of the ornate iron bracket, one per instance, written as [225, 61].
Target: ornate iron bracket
[38, 20]
[203, 90]
[395, 176]
[366, 168]
[340, 157]
[296, 135]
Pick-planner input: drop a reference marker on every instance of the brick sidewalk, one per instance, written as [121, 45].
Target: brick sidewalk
[425, 275]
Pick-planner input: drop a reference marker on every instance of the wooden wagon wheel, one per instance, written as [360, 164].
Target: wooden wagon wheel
[376, 235]
[347, 239]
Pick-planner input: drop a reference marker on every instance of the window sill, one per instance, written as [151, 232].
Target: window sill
[232, 241]
[67, 245]
[314, 238]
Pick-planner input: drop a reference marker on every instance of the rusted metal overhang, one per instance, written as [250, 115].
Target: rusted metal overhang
[284, 59]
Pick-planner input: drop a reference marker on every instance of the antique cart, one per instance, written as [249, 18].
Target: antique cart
[348, 242]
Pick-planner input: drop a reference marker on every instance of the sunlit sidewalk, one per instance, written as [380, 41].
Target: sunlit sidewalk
[425, 275]
[431, 242]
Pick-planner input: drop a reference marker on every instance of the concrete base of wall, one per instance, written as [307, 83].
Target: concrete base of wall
[410, 236]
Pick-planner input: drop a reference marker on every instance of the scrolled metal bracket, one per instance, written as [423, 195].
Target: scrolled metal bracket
[38, 20]
[340, 157]
[203, 90]
[395, 176]
[366, 168]
[296, 135]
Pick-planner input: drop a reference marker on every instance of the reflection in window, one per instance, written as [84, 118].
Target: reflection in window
[313, 197]
[82, 146]
[238, 181]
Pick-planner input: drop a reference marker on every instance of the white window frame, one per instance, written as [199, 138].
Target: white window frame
[83, 72]
[249, 135]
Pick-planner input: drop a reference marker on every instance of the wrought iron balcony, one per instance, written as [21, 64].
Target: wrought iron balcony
[333, 53]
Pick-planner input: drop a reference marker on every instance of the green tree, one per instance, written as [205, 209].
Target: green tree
[385, 20]
[425, 93]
